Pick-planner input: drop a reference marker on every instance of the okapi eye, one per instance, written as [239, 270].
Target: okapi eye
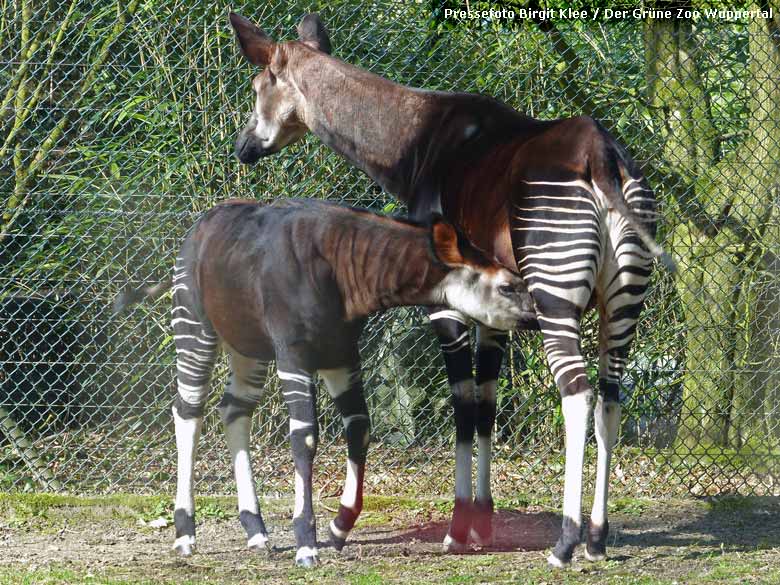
[506, 289]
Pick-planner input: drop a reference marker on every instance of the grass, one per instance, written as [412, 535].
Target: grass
[470, 570]
[678, 555]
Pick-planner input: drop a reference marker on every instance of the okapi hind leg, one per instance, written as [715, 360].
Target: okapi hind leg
[619, 310]
[241, 398]
[606, 416]
[568, 368]
[490, 353]
[196, 352]
[299, 395]
[453, 332]
[346, 389]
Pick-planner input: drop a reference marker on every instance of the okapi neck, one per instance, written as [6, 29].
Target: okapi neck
[408, 140]
[371, 121]
[379, 266]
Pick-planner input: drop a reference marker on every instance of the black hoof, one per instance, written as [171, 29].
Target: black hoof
[338, 537]
[571, 536]
[596, 544]
[337, 542]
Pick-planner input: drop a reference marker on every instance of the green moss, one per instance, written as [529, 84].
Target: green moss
[59, 576]
[384, 503]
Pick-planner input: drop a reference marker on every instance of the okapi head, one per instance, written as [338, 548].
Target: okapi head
[475, 285]
[278, 116]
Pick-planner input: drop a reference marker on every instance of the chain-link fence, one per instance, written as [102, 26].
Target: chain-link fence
[116, 129]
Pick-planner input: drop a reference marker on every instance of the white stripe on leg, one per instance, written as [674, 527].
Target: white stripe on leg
[299, 495]
[338, 380]
[237, 436]
[465, 391]
[487, 392]
[463, 471]
[187, 435]
[576, 412]
[606, 423]
[349, 496]
[483, 468]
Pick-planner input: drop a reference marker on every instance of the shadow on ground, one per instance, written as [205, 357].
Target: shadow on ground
[733, 524]
[514, 531]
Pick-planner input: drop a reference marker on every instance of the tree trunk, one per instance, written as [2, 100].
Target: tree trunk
[728, 276]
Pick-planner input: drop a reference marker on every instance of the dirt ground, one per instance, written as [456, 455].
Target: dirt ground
[107, 541]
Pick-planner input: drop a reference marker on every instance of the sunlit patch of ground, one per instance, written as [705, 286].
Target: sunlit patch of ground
[46, 539]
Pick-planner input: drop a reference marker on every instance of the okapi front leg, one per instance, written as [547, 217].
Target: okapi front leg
[453, 332]
[490, 353]
[247, 380]
[346, 389]
[299, 395]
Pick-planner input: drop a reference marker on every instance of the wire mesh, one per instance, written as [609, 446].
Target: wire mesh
[117, 126]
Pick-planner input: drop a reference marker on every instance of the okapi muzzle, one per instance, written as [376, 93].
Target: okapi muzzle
[257, 140]
[249, 149]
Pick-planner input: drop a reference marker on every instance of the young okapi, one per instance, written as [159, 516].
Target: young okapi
[558, 199]
[294, 282]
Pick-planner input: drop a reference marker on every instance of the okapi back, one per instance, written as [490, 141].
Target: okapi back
[290, 270]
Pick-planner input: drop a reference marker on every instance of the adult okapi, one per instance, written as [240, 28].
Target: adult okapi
[559, 199]
[295, 282]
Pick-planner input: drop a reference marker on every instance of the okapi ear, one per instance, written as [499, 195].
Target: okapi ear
[312, 32]
[256, 46]
[444, 238]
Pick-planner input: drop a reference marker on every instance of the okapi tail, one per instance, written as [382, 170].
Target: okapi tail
[131, 297]
[614, 159]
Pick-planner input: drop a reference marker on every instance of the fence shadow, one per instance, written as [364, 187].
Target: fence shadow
[734, 523]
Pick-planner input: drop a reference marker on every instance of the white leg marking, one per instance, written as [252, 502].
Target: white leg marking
[483, 468]
[347, 420]
[349, 496]
[487, 391]
[576, 412]
[451, 545]
[184, 544]
[237, 436]
[305, 551]
[343, 534]
[338, 380]
[555, 561]
[296, 425]
[190, 394]
[606, 423]
[258, 541]
[464, 390]
[299, 489]
[463, 471]
[300, 378]
[187, 435]
[449, 314]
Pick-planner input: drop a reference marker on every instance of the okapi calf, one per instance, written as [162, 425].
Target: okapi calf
[295, 282]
